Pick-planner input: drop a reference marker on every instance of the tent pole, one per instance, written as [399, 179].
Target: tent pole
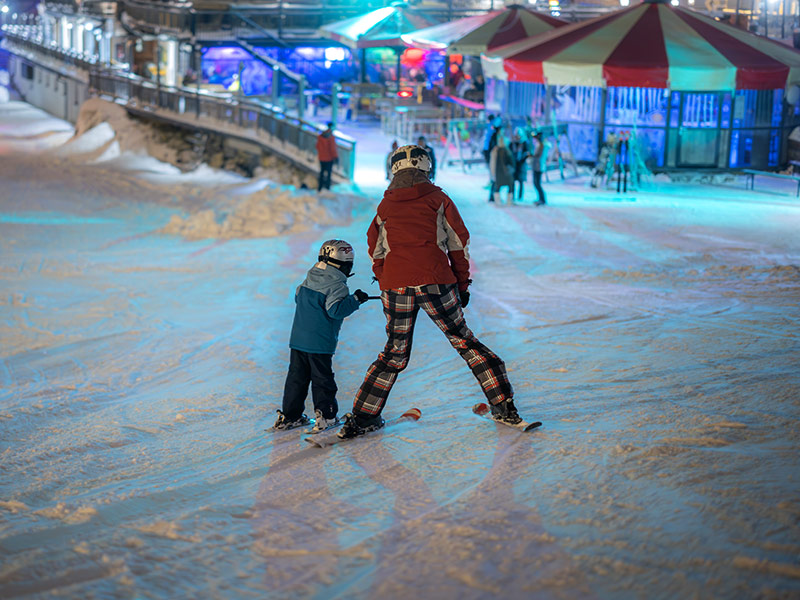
[399, 56]
[602, 129]
[783, 19]
[363, 59]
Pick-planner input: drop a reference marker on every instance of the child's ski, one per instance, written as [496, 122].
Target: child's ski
[482, 410]
[324, 441]
[303, 421]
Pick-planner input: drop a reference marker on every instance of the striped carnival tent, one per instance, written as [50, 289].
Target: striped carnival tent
[704, 93]
[378, 28]
[477, 34]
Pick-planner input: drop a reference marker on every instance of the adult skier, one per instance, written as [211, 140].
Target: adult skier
[418, 246]
[328, 156]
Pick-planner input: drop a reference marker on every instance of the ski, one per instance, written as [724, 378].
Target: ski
[482, 410]
[303, 421]
[311, 431]
[325, 441]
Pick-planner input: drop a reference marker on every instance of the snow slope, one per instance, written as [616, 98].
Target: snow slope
[655, 335]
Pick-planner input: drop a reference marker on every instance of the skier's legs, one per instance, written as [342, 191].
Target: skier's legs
[444, 308]
[401, 313]
[537, 183]
[295, 389]
[325, 168]
[323, 384]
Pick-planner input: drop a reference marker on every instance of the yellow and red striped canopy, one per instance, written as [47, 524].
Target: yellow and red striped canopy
[473, 35]
[648, 45]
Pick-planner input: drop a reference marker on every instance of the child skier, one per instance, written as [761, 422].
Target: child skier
[322, 302]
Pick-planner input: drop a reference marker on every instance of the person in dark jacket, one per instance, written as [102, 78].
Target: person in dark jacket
[501, 170]
[423, 143]
[328, 156]
[539, 158]
[520, 151]
[419, 250]
[323, 302]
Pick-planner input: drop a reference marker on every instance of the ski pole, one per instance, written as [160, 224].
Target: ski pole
[373, 297]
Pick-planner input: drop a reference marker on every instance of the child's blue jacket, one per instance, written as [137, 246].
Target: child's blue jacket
[323, 301]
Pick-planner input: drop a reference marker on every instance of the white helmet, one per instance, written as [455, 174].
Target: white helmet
[410, 157]
[337, 253]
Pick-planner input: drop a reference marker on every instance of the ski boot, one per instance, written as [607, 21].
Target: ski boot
[322, 423]
[355, 425]
[282, 423]
[506, 412]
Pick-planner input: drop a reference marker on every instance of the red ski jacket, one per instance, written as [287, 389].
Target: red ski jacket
[326, 147]
[418, 238]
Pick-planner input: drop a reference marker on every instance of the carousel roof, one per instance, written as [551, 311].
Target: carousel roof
[473, 35]
[378, 28]
[648, 45]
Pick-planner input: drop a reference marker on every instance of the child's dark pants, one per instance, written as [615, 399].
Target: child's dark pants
[316, 369]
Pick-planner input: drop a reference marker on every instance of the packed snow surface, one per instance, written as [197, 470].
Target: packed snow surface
[144, 324]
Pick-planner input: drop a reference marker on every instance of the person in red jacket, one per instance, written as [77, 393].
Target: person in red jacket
[328, 155]
[419, 250]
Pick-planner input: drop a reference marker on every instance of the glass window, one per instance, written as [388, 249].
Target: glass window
[700, 110]
[636, 106]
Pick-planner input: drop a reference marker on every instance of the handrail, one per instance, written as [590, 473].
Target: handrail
[291, 137]
[268, 126]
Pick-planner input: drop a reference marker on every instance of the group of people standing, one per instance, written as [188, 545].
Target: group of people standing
[508, 160]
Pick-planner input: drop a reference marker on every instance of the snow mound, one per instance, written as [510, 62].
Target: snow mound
[267, 213]
[105, 131]
[4, 80]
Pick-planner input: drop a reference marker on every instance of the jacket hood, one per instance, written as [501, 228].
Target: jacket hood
[410, 193]
[322, 275]
[407, 178]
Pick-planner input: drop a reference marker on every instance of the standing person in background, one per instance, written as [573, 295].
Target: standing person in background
[389, 161]
[423, 143]
[490, 136]
[501, 169]
[328, 156]
[539, 158]
[418, 246]
[520, 151]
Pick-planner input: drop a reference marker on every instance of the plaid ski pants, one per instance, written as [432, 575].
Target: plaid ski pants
[443, 306]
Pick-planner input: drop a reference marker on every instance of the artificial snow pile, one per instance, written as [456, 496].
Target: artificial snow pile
[106, 133]
[269, 212]
[106, 136]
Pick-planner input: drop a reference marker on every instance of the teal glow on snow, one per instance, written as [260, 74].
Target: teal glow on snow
[52, 219]
[657, 341]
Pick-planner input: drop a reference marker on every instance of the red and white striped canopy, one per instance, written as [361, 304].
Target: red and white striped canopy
[648, 45]
[473, 35]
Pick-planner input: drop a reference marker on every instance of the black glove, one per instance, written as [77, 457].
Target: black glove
[464, 296]
[361, 296]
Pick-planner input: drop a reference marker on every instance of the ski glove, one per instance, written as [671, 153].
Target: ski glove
[361, 296]
[464, 296]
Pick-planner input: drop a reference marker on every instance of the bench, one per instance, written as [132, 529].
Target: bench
[751, 177]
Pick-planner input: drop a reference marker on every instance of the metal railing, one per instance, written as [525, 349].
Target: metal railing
[29, 37]
[266, 125]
